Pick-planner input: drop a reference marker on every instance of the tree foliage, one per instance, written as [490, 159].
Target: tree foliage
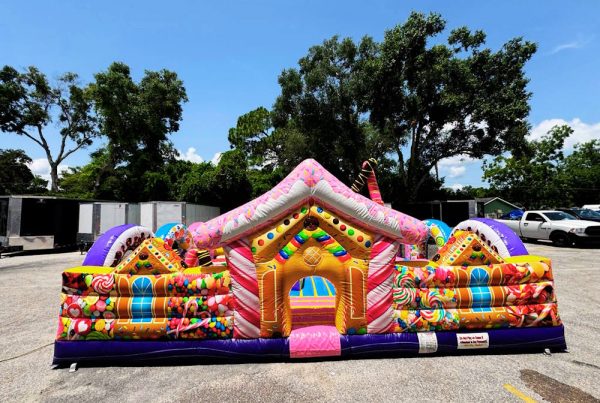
[581, 173]
[435, 102]
[541, 175]
[136, 119]
[226, 185]
[15, 175]
[405, 101]
[29, 104]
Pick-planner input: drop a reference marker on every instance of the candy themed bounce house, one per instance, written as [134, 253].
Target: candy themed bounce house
[309, 269]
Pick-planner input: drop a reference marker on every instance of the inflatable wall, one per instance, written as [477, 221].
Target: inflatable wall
[309, 269]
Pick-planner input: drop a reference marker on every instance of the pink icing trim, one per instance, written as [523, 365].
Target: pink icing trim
[244, 220]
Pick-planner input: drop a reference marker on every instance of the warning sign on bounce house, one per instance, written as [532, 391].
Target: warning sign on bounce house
[472, 340]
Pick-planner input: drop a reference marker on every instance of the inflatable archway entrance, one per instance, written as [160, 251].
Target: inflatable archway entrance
[312, 251]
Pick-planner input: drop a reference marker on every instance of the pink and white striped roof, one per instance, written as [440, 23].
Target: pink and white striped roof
[308, 183]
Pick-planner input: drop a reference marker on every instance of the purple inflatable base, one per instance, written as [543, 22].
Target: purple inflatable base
[523, 340]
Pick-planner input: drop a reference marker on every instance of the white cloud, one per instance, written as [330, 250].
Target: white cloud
[456, 171]
[41, 167]
[456, 186]
[192, 156]
[565, 46]
[455, 167]
[579, 43]
[216, 158]
[456, 160]
[582, 132]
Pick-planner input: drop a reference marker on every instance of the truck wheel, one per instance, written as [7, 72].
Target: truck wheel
[560, 239]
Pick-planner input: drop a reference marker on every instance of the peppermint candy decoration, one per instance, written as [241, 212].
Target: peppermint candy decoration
[103, 284]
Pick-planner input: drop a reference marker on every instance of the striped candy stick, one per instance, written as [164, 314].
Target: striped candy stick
[368, 173]
[246, 317]
[372, 184]
[379, 285]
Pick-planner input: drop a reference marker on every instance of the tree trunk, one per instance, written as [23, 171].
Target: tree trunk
[53, 176]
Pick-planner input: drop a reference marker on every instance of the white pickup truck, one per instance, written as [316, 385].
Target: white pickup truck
[561, 228]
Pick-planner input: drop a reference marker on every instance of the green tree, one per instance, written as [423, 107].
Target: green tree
[535, 177]
[196, 185]
[15, 175]
[137, 118]
[315, 116]
[468, 192]
[403, 101]
[29, 104]
[163, 182]
[225, 185]
[432, 102]
[252, 134]
[581, 173]
[79, 181]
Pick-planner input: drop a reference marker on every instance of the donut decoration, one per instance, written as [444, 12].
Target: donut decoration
[116, 244]
[496, 235]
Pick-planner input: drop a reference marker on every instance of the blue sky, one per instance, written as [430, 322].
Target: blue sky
[230, 54]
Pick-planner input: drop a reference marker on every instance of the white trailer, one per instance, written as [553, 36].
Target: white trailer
[97, 217]
[155, 214]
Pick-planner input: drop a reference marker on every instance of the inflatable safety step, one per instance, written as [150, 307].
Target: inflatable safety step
[315, 341]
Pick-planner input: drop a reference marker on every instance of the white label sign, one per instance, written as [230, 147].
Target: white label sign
[472, 340]
[427, 342]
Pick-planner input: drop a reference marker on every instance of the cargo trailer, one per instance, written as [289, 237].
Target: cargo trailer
[157, 213]
[38, 222]
[96, 218]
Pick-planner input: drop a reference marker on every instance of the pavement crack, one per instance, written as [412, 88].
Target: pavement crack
[552, 390]
[26, 353]
[585, 364]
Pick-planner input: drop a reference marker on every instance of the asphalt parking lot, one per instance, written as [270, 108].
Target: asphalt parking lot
[29, 298]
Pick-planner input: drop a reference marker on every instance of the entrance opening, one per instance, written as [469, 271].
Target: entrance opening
[312, 302]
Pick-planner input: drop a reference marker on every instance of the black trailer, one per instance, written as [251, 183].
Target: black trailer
[38, 222]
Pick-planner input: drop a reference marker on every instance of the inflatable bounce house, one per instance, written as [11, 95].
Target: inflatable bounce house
[309, 269]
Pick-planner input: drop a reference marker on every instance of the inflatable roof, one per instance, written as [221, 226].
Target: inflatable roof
[308, 183]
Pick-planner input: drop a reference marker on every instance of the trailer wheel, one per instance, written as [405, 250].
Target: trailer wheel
[560, 239]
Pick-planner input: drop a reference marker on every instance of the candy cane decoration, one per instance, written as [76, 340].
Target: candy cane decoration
[368, 173]
[197, 257]
[380, 284]
[246, 317]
